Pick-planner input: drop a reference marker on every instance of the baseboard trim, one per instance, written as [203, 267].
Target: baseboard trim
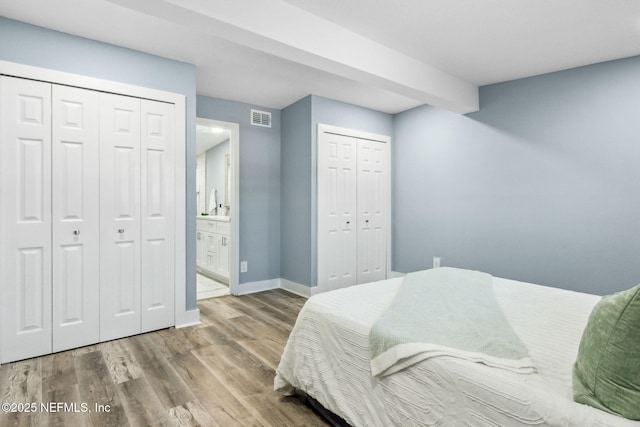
[296, 288]
[191, 318]
[286, 285]
[259, 286]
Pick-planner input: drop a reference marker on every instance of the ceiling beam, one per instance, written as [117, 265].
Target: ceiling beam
[283, 30]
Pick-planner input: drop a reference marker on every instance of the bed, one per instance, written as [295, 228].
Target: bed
[327, 357]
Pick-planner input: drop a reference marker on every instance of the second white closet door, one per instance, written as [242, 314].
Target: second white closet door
[372, 208]
[120, 216]
[353, 209]
[337, 217]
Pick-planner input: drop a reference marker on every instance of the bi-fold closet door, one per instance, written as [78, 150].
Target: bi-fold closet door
[137, 223]
[78, 166]
[25, 200]
[353, 209]
[75, 207]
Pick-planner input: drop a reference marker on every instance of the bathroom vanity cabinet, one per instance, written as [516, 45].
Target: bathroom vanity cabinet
[213, 246]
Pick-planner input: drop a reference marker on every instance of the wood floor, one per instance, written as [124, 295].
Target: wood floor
[219, 373]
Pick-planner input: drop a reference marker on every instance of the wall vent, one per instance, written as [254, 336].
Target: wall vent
[261, 118]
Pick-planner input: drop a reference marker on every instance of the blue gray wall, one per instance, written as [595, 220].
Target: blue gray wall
[299, 186]
[40, 47]
[541, 185]
[296, 190]
[259, 186]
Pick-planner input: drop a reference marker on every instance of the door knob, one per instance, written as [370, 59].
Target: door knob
[121, 230]
[76, 232]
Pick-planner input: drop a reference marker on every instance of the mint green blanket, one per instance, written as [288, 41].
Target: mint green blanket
[445, 312]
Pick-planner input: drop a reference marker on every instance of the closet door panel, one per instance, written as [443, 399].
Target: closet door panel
[372, 206]
[25, 225]
[337, 216]
[157, 204]
[76, 217]
[120, 216]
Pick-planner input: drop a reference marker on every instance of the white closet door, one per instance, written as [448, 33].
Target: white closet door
[337, 228]
[25, 226]
[372, 208]
[120, 216]
[157, 204]
[76, 217]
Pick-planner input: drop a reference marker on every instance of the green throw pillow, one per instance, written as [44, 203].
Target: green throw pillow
[606, 374]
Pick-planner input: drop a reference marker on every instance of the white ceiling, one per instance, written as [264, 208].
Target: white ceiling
[383, 54]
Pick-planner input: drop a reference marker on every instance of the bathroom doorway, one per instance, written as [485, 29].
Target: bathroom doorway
[217, 207]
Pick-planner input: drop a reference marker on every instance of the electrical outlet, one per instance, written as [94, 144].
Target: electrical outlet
[436, 262]
[243, 267]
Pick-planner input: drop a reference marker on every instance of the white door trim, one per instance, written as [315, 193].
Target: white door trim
[328, 129]
[182, 316]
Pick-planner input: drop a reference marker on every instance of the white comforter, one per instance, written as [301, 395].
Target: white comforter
[327, 356]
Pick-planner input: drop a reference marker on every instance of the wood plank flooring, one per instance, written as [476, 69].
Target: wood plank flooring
[219, 373]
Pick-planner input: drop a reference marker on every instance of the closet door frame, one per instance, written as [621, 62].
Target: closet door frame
[321, 225]
[183, 317]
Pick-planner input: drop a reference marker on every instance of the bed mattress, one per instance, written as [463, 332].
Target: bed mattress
[327, 357]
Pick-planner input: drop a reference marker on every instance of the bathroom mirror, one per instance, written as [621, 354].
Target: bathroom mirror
[213, 169]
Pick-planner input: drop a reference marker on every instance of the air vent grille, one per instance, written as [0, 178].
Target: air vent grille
[261, 118]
